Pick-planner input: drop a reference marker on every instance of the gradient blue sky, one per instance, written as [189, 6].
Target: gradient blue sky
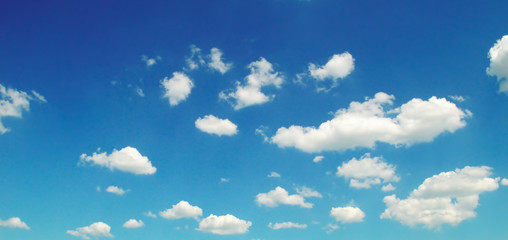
[91, 60]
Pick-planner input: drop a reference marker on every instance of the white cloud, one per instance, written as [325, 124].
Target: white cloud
[280, 196]
[224, 180]
[282, 225]
[177, 88]
[339, 66]
[140, 92]
[387, 188]
[224, 225]
[308, 192]
[14, 222]
[273, 175]
[318, 159]
[367, 171]
[132, 223]
[262, 75]
[504, 182]
[150, 61]
[128, 159]
[331, 227]
[364, 124]
[14, 102]
[457, 98]
[182, 210]
[446, 198]
[195, 60]
[347, 214]
[216, 62]
[116, 190]
[261, 132]
[213, 125]
[97, 229]
[498, 56]
[150, 214]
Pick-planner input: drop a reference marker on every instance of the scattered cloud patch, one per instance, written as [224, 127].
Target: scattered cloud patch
[498, 56]
[338, 67]
[224, 180]
[273, 175]
[284, 225]
[318, 159]
[446, 198]
[128, 159]
[216, 62]
[133, 223]
[195, 60]
[367, 171]
[150, 61]
[280, 196]
[307, 192]
[14, 222]
[330, 228]
[457, 98]
[388, 188]
[504, 182]
[116, 190]
[177, 88]
[261, 131]
[213, 125]
[347, 214]
[97, 230]
[140, 92]
[150, 214]
[224, 225]
[182, 210]
[261, 75]
[14, 102]
[365, 123]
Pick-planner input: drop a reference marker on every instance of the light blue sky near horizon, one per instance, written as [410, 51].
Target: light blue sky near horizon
[72, 53]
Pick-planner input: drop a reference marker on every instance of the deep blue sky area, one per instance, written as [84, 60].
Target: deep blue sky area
[264, 119]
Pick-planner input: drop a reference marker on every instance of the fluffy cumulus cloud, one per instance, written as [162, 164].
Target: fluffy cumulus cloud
[504, 182]
[116, 190]
[280, 196]
[182, 210]
[97, 230]
[387, 188]
[177, 88]
[216, 62]
[213, 125]
[261, 75]
[14, 222]
[224, 225]
[498, 56]
[128, 159]
[446, 198]
[339, 66]
[318, 159]
[277, 226]
[13, 103]
[365, 123]
[308, 192]
[347, 214]
[367, 171]
[133, 223]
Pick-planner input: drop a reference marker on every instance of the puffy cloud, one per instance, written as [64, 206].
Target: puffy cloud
[182, 210]
[387, 188]
[308, 192]
[282, 225]
[347, 214]
[177, 88]
[280, 196]
[213, 125]
[446, 198]
[339, 66]
[97, 229]
[498, 56]
[364, 124]
[116, 190]
[14, 222]
[14, 102]
[150, 61]
[331, 227]
[504, 182]
[318, 159]
[132, 223]
[367, 171]
[128, 159]
[150, 214]
[224, 225]
[261, 75]
[273, 175]
[216, 62]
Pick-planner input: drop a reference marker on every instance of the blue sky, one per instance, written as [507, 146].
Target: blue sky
[269, 119]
